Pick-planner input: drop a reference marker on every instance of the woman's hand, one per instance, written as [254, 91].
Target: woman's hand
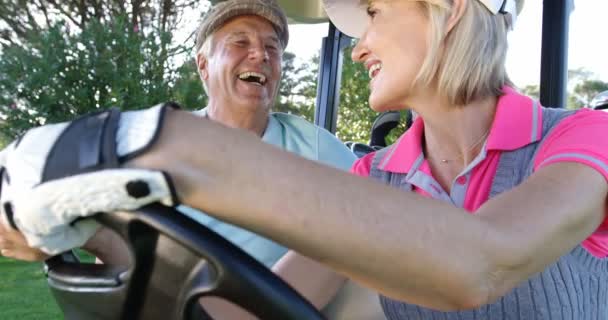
[13, 245]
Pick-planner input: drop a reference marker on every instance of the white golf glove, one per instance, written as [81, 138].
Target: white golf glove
[55, 175]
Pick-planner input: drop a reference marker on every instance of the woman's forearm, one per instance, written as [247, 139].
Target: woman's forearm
[321, 212]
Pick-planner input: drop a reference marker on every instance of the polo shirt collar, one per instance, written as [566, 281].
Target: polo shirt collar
[272, 135]
[517, 123]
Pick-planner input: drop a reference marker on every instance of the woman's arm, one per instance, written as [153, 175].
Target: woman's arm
[406, 246]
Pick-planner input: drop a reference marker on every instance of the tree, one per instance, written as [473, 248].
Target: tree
[296, 93]
[188, 89]
[355, 116]
[54, 76]
[583, 86]
[588, 89]
[532, 90]
[19, 19]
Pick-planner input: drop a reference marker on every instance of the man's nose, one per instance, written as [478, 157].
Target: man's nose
[259, 52]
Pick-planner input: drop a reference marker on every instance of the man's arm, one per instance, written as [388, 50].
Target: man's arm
[311, 279]
[13, 245]
[107, 246]
[404, 245]
[316, 282]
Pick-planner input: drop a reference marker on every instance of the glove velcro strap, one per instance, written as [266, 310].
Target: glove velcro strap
[87, 144]
[90, 143]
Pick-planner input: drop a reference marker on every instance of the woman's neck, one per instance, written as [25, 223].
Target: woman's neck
[455, 132]
[453, 135]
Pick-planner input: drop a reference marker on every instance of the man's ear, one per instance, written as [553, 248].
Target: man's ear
[202, 66]
[458, 8]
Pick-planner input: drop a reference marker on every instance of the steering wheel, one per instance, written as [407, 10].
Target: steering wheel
[175, 262]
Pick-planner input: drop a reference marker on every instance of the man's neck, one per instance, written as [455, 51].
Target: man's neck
[251, 119]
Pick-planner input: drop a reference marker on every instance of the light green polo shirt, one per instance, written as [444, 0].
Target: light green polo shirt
[293, 134]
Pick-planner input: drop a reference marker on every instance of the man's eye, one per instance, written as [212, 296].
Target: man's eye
[241, 42]
[371, 12]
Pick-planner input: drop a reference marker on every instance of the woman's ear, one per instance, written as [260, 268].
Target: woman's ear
[458, 8]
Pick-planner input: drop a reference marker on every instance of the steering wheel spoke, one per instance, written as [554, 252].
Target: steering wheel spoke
[175, 262]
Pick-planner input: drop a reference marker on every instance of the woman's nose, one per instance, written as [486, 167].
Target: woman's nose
[360, 51]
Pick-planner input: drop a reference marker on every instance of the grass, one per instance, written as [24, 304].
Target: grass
[24, 294]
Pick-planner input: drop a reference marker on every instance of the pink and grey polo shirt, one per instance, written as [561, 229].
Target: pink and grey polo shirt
[582, 138]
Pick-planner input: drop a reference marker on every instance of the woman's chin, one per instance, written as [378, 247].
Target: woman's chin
[380, 105]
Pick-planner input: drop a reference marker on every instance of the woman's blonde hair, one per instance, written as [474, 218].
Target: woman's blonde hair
[468, 62]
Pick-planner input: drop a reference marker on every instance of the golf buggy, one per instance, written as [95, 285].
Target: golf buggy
[600, 102]
[176, 261]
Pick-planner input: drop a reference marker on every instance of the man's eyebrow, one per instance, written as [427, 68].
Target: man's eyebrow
[238, 33]
[245, 33]
[274, 39]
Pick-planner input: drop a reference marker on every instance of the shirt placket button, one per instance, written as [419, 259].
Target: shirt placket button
[462, 180]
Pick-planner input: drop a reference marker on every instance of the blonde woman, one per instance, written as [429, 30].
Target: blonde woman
[489, 207]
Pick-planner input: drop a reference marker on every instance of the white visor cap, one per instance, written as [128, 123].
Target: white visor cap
[350, 16]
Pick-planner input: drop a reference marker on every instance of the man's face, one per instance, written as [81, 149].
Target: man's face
[243, 68]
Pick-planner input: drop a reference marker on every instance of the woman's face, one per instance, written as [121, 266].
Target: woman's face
[392, 49]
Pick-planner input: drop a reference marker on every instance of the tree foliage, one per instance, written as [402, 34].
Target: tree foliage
[532, 90]
[297, 89]
[55, 76]
[19, 18]
[588, 89]
[61, 59]
[355, 118]
[582, 88]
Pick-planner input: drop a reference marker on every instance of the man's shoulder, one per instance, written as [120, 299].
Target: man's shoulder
[302, 126]
[298, 126]
[321, 144]
[293, 121]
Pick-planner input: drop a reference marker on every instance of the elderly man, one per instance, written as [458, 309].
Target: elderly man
[239, 49]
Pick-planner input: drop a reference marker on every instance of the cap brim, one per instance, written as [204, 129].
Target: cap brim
[349, 16]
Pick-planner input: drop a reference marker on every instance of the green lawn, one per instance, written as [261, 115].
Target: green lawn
[24, 294]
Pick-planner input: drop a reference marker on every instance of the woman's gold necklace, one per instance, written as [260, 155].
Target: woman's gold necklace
[473, 146]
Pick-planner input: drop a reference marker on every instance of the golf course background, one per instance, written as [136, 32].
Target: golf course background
[24, 294]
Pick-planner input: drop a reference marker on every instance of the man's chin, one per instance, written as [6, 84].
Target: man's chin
[254, 103]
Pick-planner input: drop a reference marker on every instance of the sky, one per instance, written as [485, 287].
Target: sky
[588, 43]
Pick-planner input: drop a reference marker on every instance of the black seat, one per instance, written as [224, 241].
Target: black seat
[381, 128]
[600, 102]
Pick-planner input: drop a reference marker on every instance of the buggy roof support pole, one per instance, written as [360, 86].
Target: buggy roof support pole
[554, 53]
[328, 84]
